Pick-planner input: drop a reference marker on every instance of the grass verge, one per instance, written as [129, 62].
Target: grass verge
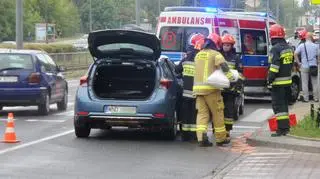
[306, 128]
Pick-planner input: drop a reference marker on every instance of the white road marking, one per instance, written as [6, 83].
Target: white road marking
[246, 127]
[258, 115]
[35, 142]
[67, 113]
[275, 157]
[7, 119]
[266, 153]
[39, 120]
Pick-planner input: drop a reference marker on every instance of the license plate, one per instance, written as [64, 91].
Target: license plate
[120, 110]
[8, 79]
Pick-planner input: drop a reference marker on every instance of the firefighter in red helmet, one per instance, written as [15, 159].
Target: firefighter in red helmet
[208, 98]
[188, 109]
[231, 94]
[279, 77]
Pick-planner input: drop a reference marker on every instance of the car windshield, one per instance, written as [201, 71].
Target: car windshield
[118, 46]
[13, 61]
[178, 38]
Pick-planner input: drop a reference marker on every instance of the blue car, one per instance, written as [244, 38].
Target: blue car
[30, 77]
[127, 85]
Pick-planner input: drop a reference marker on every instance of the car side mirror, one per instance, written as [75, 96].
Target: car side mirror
[61, 69]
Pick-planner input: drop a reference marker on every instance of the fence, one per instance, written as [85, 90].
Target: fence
[73, 60]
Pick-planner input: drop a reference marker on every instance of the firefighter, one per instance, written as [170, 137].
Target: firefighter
[229, 95]
[279, 77]
[302, 34]
[188, 112]
[208, 98]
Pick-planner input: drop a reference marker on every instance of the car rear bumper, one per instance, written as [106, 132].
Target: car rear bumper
[22, 96]
[105, 121]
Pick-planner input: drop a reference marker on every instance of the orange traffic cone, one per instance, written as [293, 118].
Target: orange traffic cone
[10, 135]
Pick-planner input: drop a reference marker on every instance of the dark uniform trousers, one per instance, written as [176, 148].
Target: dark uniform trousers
[280, 96]
[229, 107]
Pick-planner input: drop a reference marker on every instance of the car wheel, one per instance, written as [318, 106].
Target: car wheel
[171, 132]
[82, 132]
[63, 104]
[294, 92]
[44, 107]
[236, 113]
[241, 109]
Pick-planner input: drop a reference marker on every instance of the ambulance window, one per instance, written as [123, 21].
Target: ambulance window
[254, 42]
[171, 38]
[178, 38]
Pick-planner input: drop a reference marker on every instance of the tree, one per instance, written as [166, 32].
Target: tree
[7, 27]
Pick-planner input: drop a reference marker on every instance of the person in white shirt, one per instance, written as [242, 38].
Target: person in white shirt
[309, 53]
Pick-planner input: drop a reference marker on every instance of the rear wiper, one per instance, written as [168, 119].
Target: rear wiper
[11, 68]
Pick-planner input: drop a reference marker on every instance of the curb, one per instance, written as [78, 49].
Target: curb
[304, 138]
[263, 138]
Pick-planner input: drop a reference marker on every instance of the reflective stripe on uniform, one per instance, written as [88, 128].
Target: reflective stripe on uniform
[203, 86]
[229, 75]
[228, 121]
[220, 129]
[232, 65]
[282, 116]
[189, 127]
[282, 81]
[188, 70]
[274, 68]
[202, 128]
[188, 94]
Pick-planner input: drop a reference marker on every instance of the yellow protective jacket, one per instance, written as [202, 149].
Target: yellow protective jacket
[206, 62]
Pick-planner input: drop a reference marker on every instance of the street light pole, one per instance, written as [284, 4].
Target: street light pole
[138, 12]
[19, 24]
[159, 6]
[46, 19]
[90, 17]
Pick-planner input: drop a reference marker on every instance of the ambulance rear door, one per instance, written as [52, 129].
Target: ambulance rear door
[176, 28]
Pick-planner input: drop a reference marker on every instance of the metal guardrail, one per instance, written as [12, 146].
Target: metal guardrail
[73, 60]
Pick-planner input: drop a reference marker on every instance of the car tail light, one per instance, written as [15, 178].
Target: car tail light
[84, 81]
[159, 115]
[165, 83]
[82, 113]
[34, 78]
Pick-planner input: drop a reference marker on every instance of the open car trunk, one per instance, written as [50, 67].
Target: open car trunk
[124, 80]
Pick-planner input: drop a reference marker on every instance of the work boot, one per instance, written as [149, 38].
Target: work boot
[205, 143]
[228, 135]
[280, 133]
[226, 141]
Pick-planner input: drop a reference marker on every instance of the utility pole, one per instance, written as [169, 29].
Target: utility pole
[159, 6]
[90, 17]
[19, 24]
[194, 3]
[46, 19]
[138, 12]
[278, 10]
[231, 4]
[254, 5]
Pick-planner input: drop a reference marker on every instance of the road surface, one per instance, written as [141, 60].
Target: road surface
[49, 148]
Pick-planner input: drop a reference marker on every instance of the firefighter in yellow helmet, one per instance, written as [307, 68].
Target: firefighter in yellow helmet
[208, 98]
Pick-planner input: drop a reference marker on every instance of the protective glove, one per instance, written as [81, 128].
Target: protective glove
[269, 84]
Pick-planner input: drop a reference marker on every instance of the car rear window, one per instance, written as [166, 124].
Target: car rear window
[118, 46]
[177, 39]
[23, 61]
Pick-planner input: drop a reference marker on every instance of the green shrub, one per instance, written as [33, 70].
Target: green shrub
[49, 48]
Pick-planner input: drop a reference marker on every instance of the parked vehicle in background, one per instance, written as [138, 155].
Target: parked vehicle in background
[127, 85]
[30, 77]
[81, 44]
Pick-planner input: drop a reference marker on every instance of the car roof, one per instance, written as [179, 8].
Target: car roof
[31, 52]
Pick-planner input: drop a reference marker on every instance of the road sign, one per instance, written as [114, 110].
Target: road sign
[315, 2]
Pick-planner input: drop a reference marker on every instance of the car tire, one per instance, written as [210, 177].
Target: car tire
[294, 91]
[171, 132]
[62, 105]
[82, 132]
[236, 113]
[44, 107]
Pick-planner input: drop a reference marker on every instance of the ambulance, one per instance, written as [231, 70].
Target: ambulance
[177, 24]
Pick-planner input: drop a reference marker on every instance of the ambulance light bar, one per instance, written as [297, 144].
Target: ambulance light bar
[193, 9]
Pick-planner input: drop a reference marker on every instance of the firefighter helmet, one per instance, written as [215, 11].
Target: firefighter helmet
[216, 39]
[277, 31]
[196, 37]
[302, 34]
[199, 44]
[228, 39]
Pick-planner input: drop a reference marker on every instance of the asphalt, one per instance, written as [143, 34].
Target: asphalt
[49, 148]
